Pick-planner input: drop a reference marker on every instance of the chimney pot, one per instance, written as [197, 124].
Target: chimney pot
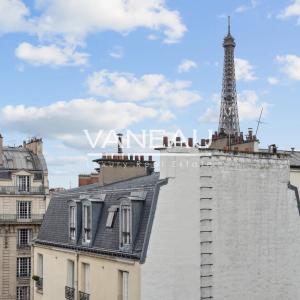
[165, 141]
[190, 142]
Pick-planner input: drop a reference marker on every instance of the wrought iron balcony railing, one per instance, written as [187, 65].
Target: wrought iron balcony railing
[15, 218]
[84, 296]
[16, 190]
[69, 293]
[39, 284]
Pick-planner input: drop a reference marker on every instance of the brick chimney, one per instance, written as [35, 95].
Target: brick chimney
[35, 145]
[1, 150]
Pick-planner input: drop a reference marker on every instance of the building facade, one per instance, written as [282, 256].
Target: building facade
[23, 200]
[93, 241]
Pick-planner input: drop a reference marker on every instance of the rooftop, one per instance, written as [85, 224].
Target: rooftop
[55, 228]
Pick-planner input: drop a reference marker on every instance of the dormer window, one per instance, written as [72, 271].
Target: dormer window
[24, 183]
[72, 223]
[111, 216]
[126, 224]
[87, 223]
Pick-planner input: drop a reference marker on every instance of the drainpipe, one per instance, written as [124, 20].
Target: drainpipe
[76, 286]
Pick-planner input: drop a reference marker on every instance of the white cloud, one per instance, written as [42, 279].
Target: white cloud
[240, 9]
[117, 52]
[66, 120]
[50, 55]
[244, 70]
[13, 16]
[293, 10]
[186, 65]
[166, 115]
[76, 21]
[291, 65]
[154, 89]
[248, 104]
[273, 80]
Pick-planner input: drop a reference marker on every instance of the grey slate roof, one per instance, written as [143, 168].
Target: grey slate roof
[55, 228]
[295, 158]
[19, 158]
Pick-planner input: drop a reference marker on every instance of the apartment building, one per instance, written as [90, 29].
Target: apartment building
[23, 200]
[93, 240]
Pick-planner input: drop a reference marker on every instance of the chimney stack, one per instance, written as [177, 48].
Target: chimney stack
[1, 150]
[35, 145]
[120, 143]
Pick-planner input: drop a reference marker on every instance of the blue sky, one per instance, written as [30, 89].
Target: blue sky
[66, 66]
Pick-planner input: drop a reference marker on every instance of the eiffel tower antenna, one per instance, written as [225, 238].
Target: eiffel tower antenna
[229, 117]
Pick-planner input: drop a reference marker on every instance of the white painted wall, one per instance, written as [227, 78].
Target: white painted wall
[172, 268]
[255, 230]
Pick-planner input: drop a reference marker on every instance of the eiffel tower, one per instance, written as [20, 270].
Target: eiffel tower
[229, 118]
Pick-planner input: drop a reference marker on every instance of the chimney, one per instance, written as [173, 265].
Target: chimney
[35, 145]
[190, 142]
[120, 143]
[1, 150]
[293, 149]
[165, 141]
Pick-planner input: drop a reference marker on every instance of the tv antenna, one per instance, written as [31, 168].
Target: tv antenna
[259, 121]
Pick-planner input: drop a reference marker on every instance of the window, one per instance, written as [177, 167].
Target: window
[23, 266]
[72, 221]
[70, 273]
[40, 265]
[24, 210]
[24, 237]
[125, 225]
[123, 285]
[23, 293]
[86, 278]
[24, 183]
[111, 216]
[87, 223]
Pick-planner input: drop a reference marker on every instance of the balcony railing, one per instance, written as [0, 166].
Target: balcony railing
[39, 284]
[23, 246]
[84, 296]
[69, 293]
[16, 190]
[15, 218]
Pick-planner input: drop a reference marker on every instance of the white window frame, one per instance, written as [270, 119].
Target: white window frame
[23, 183]
[24, 237]
[40, 265]
[23, 267]
[124, 285]
[23, 292]
[70, 273]
[24, 209]
[72, 222]
[87, 223]
[126, 224]
[86, 269]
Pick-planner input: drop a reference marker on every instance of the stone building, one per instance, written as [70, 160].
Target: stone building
[23, 199]
[93, 240]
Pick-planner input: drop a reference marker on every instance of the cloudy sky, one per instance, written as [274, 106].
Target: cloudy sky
[74, 65]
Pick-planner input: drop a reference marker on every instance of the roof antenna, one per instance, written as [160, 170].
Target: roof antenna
[259, 121]
[229, 25]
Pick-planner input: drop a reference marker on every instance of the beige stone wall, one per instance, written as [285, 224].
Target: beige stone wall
[104, 274]
[295, 178]
[110, 174]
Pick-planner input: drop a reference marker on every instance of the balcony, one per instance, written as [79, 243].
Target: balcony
[39, 284]
[84, 296]
[16, 190]
[69, 293]
[15, 218]
[24, 246]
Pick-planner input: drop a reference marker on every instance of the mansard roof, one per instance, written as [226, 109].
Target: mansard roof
[55, 228]
[20, 158]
